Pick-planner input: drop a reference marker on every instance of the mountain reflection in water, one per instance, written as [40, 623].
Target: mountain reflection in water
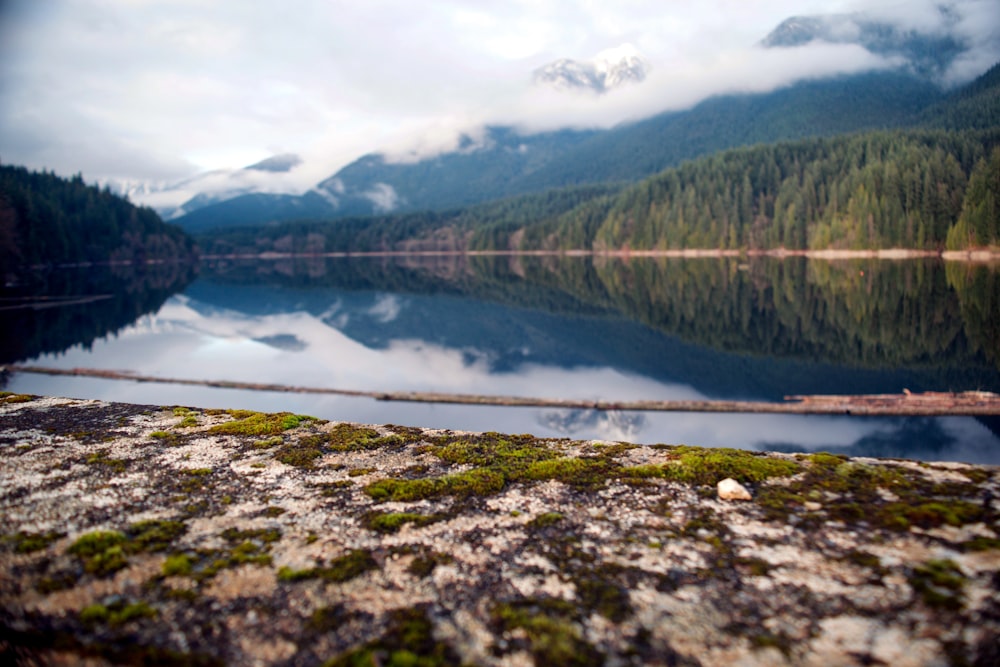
[561, 327]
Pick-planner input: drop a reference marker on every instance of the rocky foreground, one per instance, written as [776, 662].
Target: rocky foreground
[145, 535]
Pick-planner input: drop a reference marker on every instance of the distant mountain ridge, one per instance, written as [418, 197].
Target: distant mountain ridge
[508, 163]
[504, 162]
[927, 53]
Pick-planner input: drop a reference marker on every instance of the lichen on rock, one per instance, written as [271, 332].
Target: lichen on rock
[176, 534]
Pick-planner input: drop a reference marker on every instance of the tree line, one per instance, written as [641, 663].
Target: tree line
[902, 189]
[49, 220]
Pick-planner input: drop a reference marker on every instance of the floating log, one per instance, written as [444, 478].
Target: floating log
[967, 403]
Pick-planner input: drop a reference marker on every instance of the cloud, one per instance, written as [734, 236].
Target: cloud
[158, 89]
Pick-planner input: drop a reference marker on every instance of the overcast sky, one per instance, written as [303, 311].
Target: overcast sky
[164, 89]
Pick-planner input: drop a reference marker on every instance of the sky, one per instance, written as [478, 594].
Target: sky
[163, 90]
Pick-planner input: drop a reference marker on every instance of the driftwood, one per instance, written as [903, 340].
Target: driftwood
[969, 403]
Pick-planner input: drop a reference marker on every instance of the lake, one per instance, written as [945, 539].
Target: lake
[540, 326]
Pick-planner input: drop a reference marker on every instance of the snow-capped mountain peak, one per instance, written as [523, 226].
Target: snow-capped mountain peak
[606, 71]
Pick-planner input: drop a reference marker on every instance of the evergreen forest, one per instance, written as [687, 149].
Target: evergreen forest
[46, 220]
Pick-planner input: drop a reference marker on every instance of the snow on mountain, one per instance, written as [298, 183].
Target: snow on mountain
[172, 199]
[606, 71]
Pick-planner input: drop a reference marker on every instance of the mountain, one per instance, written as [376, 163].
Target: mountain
[928, 54]
[608, 70]
[505, 163]
[502, 162]
[173, 199]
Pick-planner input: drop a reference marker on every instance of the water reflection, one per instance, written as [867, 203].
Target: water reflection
[572, 328]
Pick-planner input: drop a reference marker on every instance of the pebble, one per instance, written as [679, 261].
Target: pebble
[730, 489]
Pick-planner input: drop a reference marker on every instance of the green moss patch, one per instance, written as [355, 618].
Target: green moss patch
[9, 397]
[28, 542]
[939, 583]
[116, 614]
[423, 565]
[390, 522]
[546, 519]
[551, 630]
[100, 458]
[351, 565]
[154, 535]
[102, 551]
[258, 423]
[706, 466]
[408, 642]
[881, 495]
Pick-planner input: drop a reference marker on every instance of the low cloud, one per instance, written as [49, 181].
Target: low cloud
[161, 89]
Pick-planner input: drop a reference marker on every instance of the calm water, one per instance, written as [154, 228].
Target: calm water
[545, 327]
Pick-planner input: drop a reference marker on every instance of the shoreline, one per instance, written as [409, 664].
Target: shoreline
[137, 532]
[971, 256]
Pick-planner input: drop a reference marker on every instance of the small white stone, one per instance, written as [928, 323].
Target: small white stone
[730, 489]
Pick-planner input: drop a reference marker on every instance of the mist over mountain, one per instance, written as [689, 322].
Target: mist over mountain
[920, 56]
[928, 52]
[505, 162]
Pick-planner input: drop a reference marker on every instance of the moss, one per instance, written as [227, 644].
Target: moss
[980, 543]
[579, 472]
[604, 596]
[26, 543]
[258, 423]
[100, 457]
[351, 565]
[976, 475]
[166, 437]
[300, 454]
[262, 535]
[497, 460]
[424, 564]
[116, 614]
[101, 551]
[479, 482]
[390, 522]
[360, 472]
[8, 397]
[854, 492]
[188, 422]
[550, 627]
[273, 441]
[939, 583]
[60, 582]
[407, 642]
[864, 559]
[197, 472]
[546, 519]
[755, 567]
[613, 450]
[178, 565]
[704, 466]
[930, 514]
[331, 489]
[273, 511]
[153, 535]
[250, 546]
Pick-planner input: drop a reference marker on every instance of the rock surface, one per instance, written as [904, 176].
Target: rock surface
[144, 534]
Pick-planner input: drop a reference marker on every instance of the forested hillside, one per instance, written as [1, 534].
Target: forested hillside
[876, 190]
[45, 219]
[919, 190]
[504, 163]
